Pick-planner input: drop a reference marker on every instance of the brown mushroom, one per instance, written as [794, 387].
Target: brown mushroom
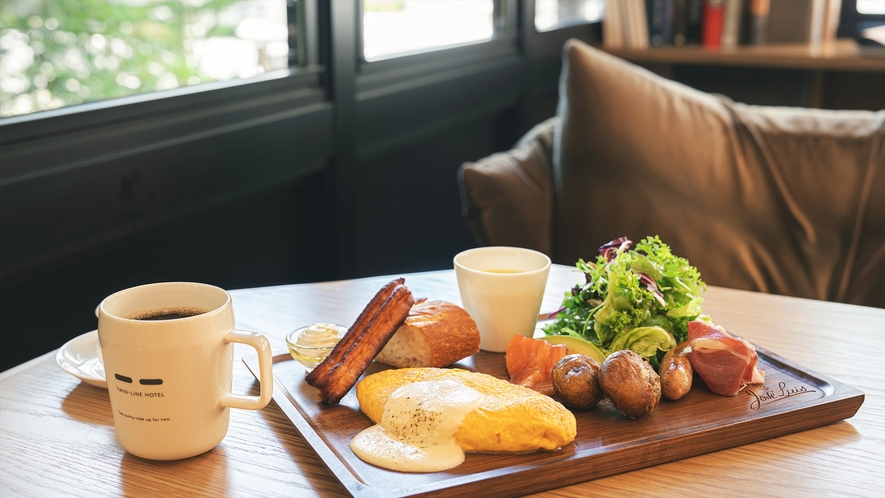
[631, 383]
[575, 381]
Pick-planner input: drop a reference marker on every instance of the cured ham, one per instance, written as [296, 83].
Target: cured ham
[530, 362]
[725, 363]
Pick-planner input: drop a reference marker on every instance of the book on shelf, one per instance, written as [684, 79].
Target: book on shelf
[790, 21]
[680, 22]
[611, 26]
[754, 29]
[625, 25]
[731, 23]
[660, 22]
[638, 24]
[832, 12]
[694, 18]
[711, 23]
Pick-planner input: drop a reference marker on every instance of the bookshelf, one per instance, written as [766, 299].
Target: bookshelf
[835, 75]
[841, 55]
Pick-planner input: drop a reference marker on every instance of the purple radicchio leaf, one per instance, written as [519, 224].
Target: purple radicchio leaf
[553, 314]
[610, 250]
[652, 287]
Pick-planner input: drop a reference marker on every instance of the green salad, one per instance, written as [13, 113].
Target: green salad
[640, 299]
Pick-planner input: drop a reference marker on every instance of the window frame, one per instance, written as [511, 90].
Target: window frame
[408, 66]
[550, 42]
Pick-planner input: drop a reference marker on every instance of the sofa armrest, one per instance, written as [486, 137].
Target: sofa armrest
[507, 198]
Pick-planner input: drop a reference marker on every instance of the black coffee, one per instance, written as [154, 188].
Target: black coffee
[173, 313]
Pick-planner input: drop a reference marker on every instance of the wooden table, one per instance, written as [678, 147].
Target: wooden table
[57, 436]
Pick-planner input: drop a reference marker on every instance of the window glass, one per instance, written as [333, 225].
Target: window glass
[871, 6]
[406, 26]
[553, 14]
[55, 53]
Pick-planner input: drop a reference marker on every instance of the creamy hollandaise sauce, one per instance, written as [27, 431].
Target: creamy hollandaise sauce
[418, 426]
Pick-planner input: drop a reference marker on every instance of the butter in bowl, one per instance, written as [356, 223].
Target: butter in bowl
[311, 344]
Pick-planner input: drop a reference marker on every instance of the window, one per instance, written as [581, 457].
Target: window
[871, 7]
[55, 53]
[555, 14]
[392, 28]
[863, 20]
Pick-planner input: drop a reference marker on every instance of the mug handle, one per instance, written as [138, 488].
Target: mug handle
[262, 346]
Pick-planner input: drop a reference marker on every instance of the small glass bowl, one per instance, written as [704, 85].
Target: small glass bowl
[311, 355]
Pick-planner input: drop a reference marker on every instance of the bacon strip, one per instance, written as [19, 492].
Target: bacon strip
[368, 336]
[362, 321]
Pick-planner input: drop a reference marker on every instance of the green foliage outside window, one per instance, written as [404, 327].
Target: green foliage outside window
[55, 53]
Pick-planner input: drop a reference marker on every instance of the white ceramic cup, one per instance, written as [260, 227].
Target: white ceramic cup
[169, 380]
[502, 289]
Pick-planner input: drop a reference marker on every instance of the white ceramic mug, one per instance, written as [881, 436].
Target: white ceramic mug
[502, 289]
[169, 380]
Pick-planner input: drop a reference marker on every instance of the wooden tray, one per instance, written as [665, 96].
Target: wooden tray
[792, 399]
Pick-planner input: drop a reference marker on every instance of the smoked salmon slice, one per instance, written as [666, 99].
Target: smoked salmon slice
[530, 362]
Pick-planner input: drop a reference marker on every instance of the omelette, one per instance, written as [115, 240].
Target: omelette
[506, 418]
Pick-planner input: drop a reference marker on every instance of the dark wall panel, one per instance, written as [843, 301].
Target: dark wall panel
[387, 116]
[758, 86]
[280, 235]
[843, 90]
[408, 205]
[55, 215]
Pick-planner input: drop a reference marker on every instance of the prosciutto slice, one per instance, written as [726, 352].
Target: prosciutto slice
[726, 363]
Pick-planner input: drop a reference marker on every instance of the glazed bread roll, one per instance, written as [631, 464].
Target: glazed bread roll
[435, 334]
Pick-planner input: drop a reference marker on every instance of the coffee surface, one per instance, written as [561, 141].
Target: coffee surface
[172, 313]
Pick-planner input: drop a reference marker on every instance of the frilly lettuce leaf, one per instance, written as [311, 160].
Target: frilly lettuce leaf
[626, 303]
[645, 341]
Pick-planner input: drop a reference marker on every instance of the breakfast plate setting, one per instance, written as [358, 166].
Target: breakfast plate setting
[420, 396]
[792, 399]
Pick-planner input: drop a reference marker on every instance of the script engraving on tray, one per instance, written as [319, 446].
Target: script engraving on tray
[767, 395]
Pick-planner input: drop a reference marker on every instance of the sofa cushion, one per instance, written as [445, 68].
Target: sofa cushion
[507, 198]
[781, 200]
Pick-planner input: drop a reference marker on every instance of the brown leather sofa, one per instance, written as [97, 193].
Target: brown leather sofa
[782, 200]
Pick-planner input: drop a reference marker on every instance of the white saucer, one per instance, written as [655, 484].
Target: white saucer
[81, 357]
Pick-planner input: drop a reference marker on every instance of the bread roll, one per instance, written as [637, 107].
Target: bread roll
[435, 334]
